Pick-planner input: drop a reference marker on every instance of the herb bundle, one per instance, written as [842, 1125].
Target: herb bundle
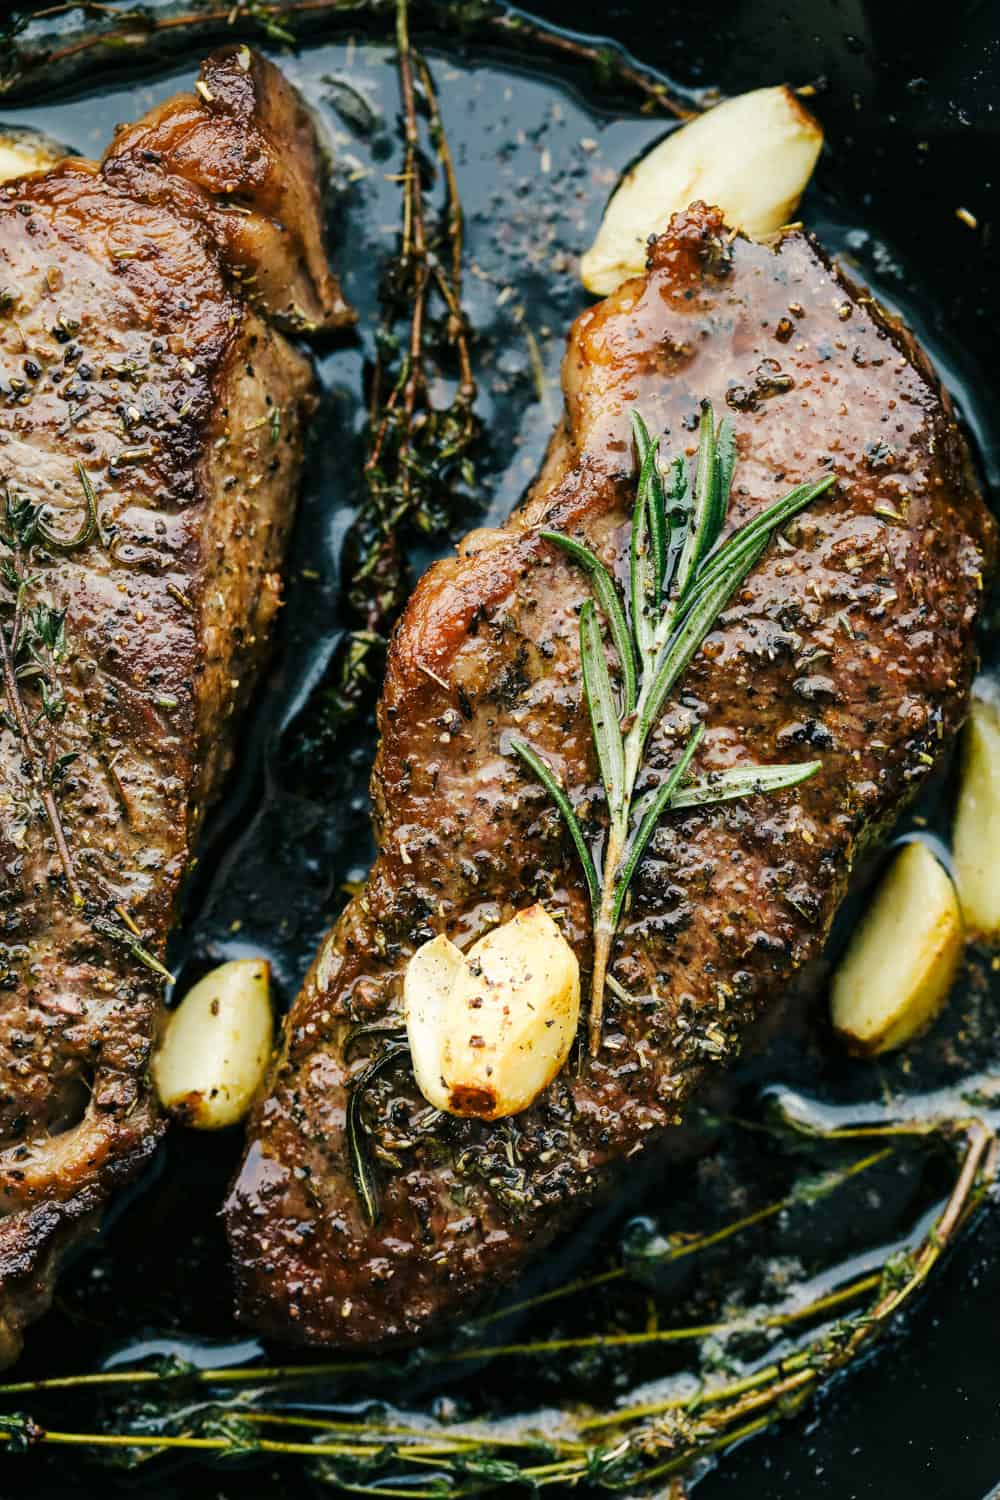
[418, 448]
[268, 1412]
[681, 577]
[422, 428]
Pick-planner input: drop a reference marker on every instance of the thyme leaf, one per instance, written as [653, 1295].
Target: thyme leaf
[680, 579]
[19, 1430]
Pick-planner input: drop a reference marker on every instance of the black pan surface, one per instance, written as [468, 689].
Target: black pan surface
[911, 107]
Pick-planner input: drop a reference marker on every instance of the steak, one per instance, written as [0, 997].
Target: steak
[151, 434]
[851, 641]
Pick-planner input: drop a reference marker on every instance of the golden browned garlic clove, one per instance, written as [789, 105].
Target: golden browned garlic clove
[23, 150]
[900, 963]
[751, 156]
[491, 1028]
[217, 1045]
[976, 836]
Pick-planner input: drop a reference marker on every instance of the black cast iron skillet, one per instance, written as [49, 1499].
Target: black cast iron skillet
[911, 105]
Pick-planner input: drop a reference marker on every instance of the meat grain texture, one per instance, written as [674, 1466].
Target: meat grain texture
[852, 641]
[141, 301]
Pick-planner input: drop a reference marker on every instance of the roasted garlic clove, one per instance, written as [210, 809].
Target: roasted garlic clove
[216, 1046]
[491, 1028]
[900, 964]
[976, 835]
[751, 156]
[23, 150]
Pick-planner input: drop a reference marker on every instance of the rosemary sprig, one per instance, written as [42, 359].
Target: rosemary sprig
[680, 577]
[354, 1128]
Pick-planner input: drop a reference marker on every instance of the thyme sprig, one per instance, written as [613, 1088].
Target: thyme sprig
[422, 429]
[627, 1448]
[418, 447]
[33, 648]
[680, 578]
[34, 52]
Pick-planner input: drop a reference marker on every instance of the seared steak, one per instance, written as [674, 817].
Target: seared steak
[139, 355]
[851, 641]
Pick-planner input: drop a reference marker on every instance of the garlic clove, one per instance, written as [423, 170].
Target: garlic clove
[216, 1046]
[490, 1032]
[976, 835]
[901, 962]
[23, 150]
[751, 156]
[430, 979]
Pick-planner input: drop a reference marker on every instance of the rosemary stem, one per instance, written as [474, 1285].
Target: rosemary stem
[635, 741]
[604, 928]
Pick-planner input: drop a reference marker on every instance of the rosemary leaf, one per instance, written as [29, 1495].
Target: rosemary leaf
[640, 580]
[661, 799]
[87, 527]
[764, 525]
[607, 597]
[361, 1167]
[650, 492]
[709, 507]
[601, 705]
[716, 582]
[742, 781]
[702, 613]
[725, 459]
[554, 788]
[127, 940]
[677, 511]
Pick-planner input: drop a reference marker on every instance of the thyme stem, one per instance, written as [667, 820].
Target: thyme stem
[627, 1449]
[275, 18]
[16, 707]
[23, 527]
[687, 1247]
[416, 449]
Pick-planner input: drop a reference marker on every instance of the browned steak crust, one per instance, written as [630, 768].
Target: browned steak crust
[852, 640]
[129, 346]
